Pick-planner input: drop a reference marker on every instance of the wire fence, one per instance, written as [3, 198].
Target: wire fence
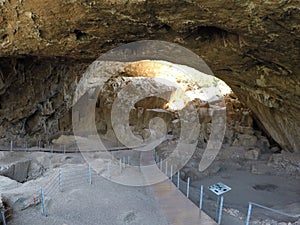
[167, 168]
[67, 178]
[64, 179]
[252, 204]
[72, 147]
[184, 187]
[59, 181]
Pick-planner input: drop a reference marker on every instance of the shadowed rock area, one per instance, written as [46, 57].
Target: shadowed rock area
[46, 45]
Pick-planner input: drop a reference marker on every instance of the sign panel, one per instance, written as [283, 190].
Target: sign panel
[219, 188]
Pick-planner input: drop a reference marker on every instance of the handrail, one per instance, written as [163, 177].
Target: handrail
[276, 211]
[3, 216]
[270, 209]
[58, 150]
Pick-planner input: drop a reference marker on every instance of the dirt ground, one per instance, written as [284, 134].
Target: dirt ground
[105, 202]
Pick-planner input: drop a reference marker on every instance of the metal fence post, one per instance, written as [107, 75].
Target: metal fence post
[43, 202]
[11, 145]
[249, 213]
[171, 175]
[60, 180]
[160, 164]
[188, 187]
[178, 178]
[221, 210]
[166, 168]
[90, 174]
[201, 197]
[124, 161]
[217, 208]
[3, 217]
[108, 169]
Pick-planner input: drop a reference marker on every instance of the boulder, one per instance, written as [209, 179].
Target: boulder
[245, 130]
[252, 154]
[286, 157]
[17, 170]
[21, 201]
[35, 170]
[263, 143]
[297, 222]
[275, 149]
[229, 136]
[8, 184]
[64, 140]
[261, 169]
[245, 140]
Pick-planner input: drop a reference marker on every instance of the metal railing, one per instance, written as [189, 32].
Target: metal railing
[219, 205]
[55, 184]
[5, 214]
[165, 168]
[63, 148]
[269, 209]
[62, 180]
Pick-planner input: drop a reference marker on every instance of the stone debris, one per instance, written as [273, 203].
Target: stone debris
[245, 140]
[16, 170]
[253, 154]
[234, 212]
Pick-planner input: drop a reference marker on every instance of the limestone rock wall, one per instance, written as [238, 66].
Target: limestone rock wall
[36, 98]
[254, 46]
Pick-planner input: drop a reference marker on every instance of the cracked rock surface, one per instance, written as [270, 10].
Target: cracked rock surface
[253, 46]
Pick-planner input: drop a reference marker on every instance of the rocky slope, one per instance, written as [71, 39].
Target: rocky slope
[253, 46]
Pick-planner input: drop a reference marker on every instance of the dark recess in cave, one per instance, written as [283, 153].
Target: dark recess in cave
[206, 33]
[80, 35]
[257, 125]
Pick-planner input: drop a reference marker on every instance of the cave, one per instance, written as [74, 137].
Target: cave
[50, 104]
[264, 76]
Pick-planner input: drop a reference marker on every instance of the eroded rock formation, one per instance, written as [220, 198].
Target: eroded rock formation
[253, 46]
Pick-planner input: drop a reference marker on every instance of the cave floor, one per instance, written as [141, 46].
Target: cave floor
[105, 202]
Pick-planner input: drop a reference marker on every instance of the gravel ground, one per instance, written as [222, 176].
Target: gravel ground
[102, 203]
[105, 202]
[281, 193]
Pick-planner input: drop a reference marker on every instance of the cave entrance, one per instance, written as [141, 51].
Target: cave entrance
[179, 86]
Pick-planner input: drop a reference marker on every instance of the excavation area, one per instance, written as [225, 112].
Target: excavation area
[74, 200]
[146, 134]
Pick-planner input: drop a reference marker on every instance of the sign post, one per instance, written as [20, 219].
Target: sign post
[219, 189]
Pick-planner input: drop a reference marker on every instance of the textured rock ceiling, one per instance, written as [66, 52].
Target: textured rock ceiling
[254, 46]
